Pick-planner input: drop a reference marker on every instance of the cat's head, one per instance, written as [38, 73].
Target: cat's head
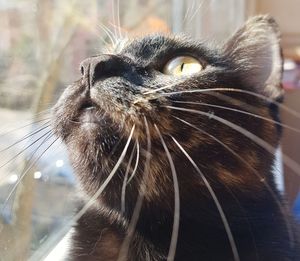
[161, 94]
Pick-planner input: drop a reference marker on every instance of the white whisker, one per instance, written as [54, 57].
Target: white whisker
[190, 7]
[27, 136]
[268, 187]
[136, 163]
[242, 112]
[123, 192]
[138, 205]
[217, 203]
[30, 166]
[164, 87]
[24, 126]
[118, 19]
[196, 11]
[109, 34]
[287, 160]
[104, 184]
[175, 230]
[114, 18]
[48, 133]
[260, 96]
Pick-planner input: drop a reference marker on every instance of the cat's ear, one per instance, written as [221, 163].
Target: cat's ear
[256, 54]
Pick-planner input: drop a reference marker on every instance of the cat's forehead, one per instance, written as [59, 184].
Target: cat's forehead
[148, 43]
[153, 45]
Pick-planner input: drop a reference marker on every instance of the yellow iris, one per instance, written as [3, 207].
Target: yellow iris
[182, 65]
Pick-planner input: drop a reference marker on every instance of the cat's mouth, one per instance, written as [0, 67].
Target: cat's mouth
[88, 105]
[89, 112]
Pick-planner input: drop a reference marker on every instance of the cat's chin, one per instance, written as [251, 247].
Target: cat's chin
[89, 119]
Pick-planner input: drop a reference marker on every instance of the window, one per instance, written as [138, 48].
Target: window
[42, 44]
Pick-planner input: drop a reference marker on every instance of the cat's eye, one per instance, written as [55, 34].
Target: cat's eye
[182, 65]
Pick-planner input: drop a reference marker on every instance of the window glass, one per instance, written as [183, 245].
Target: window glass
[41, 46]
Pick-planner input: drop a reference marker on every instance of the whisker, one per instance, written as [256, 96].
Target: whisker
[260, 96]
[235, 101]
[30, 166]
[123, 192]
[190, 7]
[77, 122]
[287, 160]
[26, 137]
[113, 16]
[263, 97]
[62, 232]
[138, 206]
[118, 19]
[112, 152]
[163, 87]
[175, 230]
[44, 112]
[216, 201]
[24, 126]
[278, 203]
[24, 149]
[95, 31]
[109, 34]
[195, 12]
[136, 163]
[105, 43]
[242, 112]
[117, 28]
[104, 184]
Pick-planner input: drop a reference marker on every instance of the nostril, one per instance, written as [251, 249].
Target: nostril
[84, 67]
[99, 70]
[98, 67]
[82, 70]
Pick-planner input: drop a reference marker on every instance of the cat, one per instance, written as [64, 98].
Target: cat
[173, 144]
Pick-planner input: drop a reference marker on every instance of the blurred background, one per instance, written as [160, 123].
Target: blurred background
[41, 45]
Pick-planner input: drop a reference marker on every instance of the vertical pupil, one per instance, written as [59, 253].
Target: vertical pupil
[182, 65]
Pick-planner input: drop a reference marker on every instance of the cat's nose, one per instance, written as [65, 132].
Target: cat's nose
[99, 67]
